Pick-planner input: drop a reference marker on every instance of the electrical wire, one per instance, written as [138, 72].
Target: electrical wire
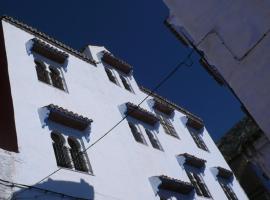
[184, 62]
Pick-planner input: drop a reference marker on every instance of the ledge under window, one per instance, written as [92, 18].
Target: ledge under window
[175, 185]
[193, 160]
[141, 114]
[48, 51]
[68, 118]
[116, 63]
[224, 173]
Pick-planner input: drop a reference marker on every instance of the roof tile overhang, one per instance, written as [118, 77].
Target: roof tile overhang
[163, 107]
[49, 51]
[224, 173]
[169, 103]
[48, 39]
[68, 118]
[193, 160]
[116, 63]
[194, 123]
[175, 185]
[141, 114]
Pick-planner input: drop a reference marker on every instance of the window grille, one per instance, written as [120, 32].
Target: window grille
[61, 152]
[154, 140]
[56, 78]
[138, 136]
[77, 155]
[42, 73]
[228, 191]
[197, 139]
[111, 76]
[126, 83]
[199, 185]
[167, 125]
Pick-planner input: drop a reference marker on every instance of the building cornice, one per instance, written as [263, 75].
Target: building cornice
[47, 38]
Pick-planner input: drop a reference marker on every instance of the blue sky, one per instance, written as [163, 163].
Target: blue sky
[134, 31]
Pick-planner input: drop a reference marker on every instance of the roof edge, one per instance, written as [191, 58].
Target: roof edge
[174, 105]
[47, 38]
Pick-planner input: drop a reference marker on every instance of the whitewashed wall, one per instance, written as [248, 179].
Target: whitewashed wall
[234, 35]
[122, 167]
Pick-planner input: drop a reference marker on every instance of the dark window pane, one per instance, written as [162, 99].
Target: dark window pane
[197, 139]
[126, 84]
[167, 125]
[42, 73]
[136, 134]
[56, 78]
[154, 140]
[110, 75]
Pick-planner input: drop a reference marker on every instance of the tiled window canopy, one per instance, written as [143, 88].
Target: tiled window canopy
[168, 183]
[49, 51]
[224, 173]
[68, 118]
[194, 123]
[163, 107]
[116, 63]
[141, 114]
[193, 160]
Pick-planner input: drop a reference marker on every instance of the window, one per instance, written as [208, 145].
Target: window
[126, 83]
[197, 139]
[167, 125]
[198, 183]
[56, 78]
[138, 136]
[111, 76]
[73, 157]
[60, 151]
[49, 74]
[227, 190]
[153, 139]
[42, 73]
[77, 155]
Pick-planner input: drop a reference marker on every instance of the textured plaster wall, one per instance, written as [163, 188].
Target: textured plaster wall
[122, 167]
[234, 35]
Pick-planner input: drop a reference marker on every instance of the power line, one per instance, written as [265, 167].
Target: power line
[166, 78]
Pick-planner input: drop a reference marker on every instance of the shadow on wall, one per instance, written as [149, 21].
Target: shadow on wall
[54, 189]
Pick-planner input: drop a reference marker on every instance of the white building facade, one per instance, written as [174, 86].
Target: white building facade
[56, 102]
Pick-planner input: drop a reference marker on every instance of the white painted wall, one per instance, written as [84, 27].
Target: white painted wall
[234, 35]
[122, 167]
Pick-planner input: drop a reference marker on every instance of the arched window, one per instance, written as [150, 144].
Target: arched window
[56, 78]
[111, 76]
[60, 151]
[78, 157]
[42, 73]
[126, 83]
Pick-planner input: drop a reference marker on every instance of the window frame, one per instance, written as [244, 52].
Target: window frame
[72, 165]
[197, 138]
[167, 125]
[154, 139]
[201, 189]
[48, 71]
[128, 85]
[227, 189]
[109, 70]
[139, 138]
